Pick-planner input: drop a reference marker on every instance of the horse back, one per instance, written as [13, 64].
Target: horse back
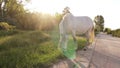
[82, 24]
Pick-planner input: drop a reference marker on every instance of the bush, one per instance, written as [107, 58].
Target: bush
[4, 33]
[6, 26]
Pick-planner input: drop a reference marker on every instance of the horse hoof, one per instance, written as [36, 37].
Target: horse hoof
[84, 49]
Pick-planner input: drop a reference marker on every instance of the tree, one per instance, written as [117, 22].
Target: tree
[99, 20]
[1, 9]
[9, 9]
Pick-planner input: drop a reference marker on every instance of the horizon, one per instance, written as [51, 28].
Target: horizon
[109, 9]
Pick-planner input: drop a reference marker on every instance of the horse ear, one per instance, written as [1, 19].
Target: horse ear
[66, 8]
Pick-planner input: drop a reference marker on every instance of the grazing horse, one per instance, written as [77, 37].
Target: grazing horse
[75, 25]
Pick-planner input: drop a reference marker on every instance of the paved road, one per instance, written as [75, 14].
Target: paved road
[106, 53]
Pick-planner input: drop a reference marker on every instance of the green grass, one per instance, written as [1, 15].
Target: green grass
[4, 33]
[31, 49]
[27, 49]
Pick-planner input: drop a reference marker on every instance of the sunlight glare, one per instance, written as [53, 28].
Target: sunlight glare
[45, 6]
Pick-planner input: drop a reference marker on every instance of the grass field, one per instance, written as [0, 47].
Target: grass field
[31, 49]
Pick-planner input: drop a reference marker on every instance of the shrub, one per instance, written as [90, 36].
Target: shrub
[6, 26]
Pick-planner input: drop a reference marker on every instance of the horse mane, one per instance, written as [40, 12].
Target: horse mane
[67, 15]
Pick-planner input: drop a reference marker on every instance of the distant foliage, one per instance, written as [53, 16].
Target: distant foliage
[58, 17]
[116, 33]
[6, 26]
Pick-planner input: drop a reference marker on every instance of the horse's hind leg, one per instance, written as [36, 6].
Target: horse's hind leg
[92, 36]
[88, 40]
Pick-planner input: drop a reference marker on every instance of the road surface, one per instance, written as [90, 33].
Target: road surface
[105, 53]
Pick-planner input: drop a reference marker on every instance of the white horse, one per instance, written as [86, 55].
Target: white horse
[75, 26]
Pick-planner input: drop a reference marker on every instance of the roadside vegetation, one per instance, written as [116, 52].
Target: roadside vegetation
[115, 33]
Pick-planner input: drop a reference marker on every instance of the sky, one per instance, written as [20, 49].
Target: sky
[109, 9]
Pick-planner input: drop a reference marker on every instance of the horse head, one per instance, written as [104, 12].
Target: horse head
[66, 10]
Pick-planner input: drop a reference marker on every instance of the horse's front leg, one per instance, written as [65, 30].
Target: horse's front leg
[63, 42]
[60, 42]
